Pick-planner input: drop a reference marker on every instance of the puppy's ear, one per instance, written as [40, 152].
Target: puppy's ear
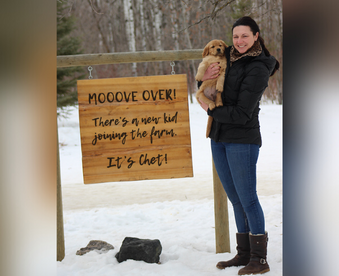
[206, 51]
[223, 43]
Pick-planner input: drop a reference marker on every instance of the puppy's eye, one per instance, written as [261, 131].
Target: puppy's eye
[212, 47]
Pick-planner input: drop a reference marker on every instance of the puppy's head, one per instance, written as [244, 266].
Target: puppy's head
[214, 48]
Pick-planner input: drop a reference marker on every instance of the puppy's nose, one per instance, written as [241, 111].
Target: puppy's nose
[218, 49]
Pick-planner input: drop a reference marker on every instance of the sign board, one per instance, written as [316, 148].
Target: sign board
[134, 128]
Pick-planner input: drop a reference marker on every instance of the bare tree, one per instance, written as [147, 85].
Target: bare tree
[157, 25]
[130, 31]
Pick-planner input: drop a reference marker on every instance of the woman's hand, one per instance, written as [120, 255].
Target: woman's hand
[212, 71]
[203, 105]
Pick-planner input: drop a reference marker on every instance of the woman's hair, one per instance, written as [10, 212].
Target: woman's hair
[248, 21]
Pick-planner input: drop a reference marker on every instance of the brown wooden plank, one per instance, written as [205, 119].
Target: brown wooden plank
[124, 120]
[127, 57]
[149, 164]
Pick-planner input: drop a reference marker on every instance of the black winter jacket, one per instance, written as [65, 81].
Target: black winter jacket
[246, 80]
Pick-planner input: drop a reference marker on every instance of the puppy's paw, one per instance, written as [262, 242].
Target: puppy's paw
[211, 106]
[219, 88]
[198, 77]
[219, 103]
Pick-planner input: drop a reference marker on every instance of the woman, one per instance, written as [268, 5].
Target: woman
[235, 140]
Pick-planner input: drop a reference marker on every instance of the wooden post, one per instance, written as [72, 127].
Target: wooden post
[222, 235]
[60, 220]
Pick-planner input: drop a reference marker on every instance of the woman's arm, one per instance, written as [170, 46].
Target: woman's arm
[250, 92]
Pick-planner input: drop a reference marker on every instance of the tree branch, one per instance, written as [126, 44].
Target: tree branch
[91, 3]
[212, 15]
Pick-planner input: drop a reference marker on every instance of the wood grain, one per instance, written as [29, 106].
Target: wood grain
[134, 128]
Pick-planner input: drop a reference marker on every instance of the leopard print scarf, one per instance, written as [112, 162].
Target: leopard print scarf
[254, 51]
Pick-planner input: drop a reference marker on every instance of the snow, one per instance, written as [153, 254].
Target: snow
[179, 212]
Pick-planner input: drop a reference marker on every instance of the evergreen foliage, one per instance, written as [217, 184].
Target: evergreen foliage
[67, 45]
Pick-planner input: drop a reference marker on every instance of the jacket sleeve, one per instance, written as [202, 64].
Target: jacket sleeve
[251, 90]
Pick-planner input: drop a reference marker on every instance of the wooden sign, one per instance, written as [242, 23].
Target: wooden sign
[134, 128]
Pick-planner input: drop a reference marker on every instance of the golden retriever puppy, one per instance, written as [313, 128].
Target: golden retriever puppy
[210, 90]
[213, 52]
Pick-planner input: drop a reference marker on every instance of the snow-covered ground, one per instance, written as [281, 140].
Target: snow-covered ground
[178, 212]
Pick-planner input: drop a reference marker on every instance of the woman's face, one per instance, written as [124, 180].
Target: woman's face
[243, 38]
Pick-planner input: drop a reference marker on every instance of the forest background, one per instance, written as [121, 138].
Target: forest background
[110, 26]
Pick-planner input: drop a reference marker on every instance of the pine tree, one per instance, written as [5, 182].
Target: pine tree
[67, 45]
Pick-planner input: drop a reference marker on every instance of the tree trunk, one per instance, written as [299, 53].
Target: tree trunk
[129, 19]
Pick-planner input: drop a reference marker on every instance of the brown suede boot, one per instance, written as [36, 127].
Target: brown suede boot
[243, 255]
[258, 263]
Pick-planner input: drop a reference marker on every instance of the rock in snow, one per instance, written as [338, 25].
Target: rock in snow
[139, 250]
[102, 246]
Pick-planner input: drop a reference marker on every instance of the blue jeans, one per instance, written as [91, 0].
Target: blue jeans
[236, 168]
